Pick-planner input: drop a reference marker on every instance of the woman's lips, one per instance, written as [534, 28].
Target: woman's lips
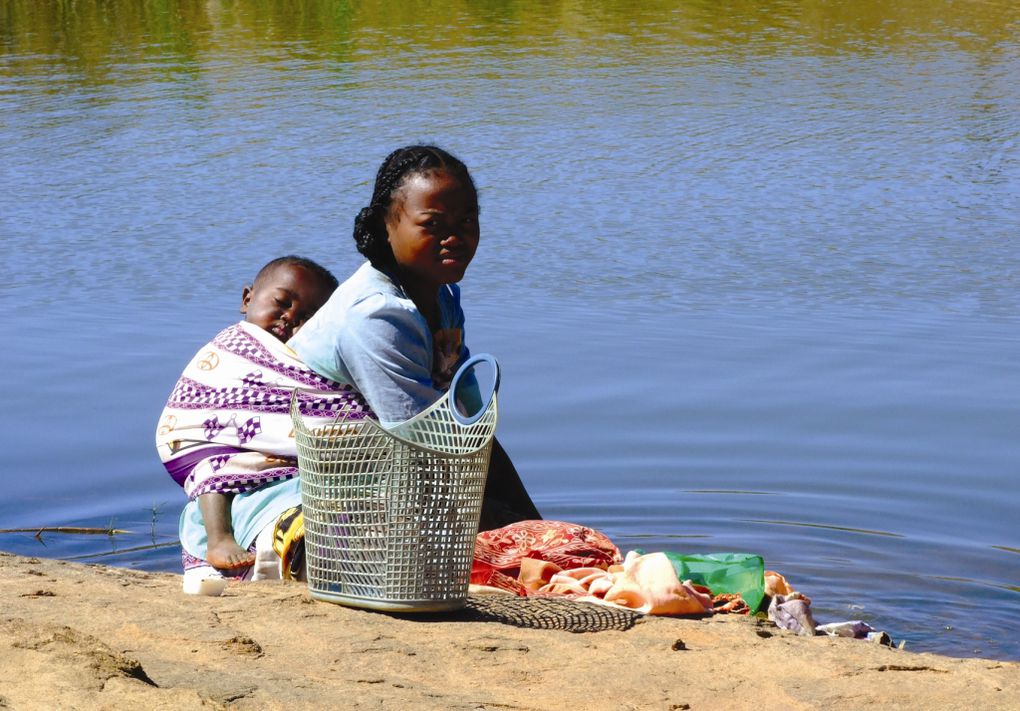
[453, 258]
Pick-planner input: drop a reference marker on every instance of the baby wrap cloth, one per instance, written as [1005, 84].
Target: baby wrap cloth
[226, 425]
[226, 429]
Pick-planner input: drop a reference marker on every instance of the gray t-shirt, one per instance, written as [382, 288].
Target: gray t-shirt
[371, 335]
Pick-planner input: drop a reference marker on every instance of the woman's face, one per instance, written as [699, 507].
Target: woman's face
[433, 229]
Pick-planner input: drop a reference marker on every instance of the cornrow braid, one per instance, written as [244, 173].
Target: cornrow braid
[370, 234]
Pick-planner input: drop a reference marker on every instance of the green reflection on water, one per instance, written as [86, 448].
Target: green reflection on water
[970, 581]
[848, 529]
[92, 36]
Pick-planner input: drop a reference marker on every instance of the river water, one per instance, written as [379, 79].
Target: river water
[752, 272]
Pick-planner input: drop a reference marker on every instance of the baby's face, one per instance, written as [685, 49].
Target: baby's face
[282, 300]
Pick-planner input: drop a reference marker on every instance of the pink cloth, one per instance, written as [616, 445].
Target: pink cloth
[555, 558]
[499, 553]
[644, 583]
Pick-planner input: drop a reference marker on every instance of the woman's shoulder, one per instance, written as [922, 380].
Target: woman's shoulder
[370, 293]
[367, 282]
[369, 305]
[366, 291]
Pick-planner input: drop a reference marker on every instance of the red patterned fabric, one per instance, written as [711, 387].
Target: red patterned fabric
[498, 553]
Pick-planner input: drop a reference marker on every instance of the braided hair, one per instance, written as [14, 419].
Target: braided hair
[370, 224]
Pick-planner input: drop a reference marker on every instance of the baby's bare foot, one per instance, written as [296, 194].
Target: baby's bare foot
[228, 555]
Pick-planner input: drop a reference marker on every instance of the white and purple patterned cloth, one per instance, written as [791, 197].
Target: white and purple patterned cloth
[226, 427]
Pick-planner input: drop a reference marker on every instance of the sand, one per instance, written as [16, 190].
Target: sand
[92, 637]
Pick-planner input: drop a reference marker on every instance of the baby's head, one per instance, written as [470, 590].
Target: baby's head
[444, 194]
[285, 294]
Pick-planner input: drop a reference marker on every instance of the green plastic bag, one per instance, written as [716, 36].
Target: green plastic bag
[742, 573]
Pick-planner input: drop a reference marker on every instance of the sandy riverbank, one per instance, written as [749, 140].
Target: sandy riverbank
[87, 637]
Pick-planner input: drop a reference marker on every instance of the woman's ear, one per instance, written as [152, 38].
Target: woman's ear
[246, 298]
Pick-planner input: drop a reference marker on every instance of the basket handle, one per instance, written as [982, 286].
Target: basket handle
[295, 411]
[464, 369]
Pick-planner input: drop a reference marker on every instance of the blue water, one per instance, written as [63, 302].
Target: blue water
[747, 295]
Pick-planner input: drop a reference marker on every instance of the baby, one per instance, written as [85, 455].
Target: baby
[225, 428]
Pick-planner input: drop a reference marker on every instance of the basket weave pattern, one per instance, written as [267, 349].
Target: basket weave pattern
[391, 515]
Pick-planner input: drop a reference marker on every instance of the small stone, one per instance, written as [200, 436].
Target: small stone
[678, 646]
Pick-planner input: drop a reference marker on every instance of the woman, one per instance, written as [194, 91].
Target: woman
[395, 329]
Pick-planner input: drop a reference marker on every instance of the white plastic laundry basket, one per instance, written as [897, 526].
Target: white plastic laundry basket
[391, 515]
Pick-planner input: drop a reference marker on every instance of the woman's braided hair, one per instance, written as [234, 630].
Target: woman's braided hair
[370, 225]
